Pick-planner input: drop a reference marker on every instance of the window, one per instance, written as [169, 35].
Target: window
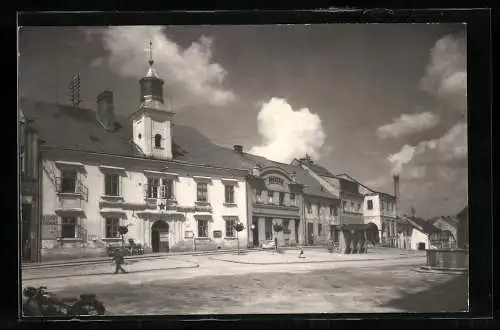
[286, 225]
[318, 208]
[112, 227]
[258, 195]
[68, 227]
[275, 180]
[382, 205]
[112, 185]
[270, 195]
[344, 206]
[370, 204]
[202, 228]
[157, 141]
[269, 229]
[292, 199]
[230, 227]
[68, 181]
[320, 229]
[282, 198]
[152, 188]
[202, 192]
[352, 206]
[333, 210]
[229, 194]
[309, 207]
[167, 189]
[358, 207]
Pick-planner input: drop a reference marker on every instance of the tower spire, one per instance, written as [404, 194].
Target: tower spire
[151, 71]
[151, 62]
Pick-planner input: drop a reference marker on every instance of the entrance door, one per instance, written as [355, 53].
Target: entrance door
[159, 236]
[310, 234]
[297, 231]
[26, 232]
[421, 246]
[255, 238]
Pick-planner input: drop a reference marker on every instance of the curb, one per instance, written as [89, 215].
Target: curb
[308, 262]
[108, 273]
[440, 270]
[139, 257]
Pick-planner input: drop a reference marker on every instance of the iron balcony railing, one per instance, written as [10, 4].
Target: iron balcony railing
[65, 186]
[158, 192]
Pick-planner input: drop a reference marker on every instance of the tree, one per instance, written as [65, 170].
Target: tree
[122, 230]
[238, 227]
[277, 228]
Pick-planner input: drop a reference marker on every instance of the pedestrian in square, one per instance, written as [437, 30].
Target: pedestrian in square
[118, 259]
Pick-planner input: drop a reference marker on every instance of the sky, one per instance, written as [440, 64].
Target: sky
[369, 100]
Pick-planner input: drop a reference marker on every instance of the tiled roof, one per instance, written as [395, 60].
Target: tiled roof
[451, 220]
[427, 228]
[67, 127]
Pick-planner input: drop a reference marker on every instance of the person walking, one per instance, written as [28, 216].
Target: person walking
[118, 259]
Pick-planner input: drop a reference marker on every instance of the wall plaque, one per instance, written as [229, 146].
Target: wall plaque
[50, 226]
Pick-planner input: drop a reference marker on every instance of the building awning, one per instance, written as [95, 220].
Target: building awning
[204, 179]
[203, 216]
[113, 169]
[68, 164]
[69, 211]
[160, 215]
[230, 217]
[113, 212]
[229, 181]
[162, 174]
[353, 226]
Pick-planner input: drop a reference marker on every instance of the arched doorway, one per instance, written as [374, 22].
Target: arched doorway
[159, 236]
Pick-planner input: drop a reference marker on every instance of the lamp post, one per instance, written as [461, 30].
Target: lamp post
[252, 227]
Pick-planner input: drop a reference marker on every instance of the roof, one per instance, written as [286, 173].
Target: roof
[318, 169]
[451, 220]
[422, 225]
[67, 127]
[464, 213]
[322, 171]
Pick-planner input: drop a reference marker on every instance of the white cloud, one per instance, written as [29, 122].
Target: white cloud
[288, 134]
[446, 73]
[191, 70]
[402, 157]
[407, 125]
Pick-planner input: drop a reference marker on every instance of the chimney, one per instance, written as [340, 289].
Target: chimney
[105, 110]
[238, 148]
[395, 179]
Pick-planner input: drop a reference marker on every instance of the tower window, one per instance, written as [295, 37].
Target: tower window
[157, 141]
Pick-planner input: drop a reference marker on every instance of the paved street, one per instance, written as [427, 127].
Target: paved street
[208, 285]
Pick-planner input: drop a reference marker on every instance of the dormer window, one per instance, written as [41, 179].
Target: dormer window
[158, 141]
[276, 180]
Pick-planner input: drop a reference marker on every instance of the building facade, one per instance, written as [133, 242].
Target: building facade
[322, 218]
[170, 186]
[347, 190]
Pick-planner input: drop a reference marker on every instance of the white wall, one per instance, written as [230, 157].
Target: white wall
[92, 176]
[418, 237]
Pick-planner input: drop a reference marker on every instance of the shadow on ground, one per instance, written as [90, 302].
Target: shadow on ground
[449, 296]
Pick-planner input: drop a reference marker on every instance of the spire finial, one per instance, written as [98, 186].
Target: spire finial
[150, 53]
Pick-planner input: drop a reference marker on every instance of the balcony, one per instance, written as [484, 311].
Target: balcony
[158, 192]
[71, 189]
